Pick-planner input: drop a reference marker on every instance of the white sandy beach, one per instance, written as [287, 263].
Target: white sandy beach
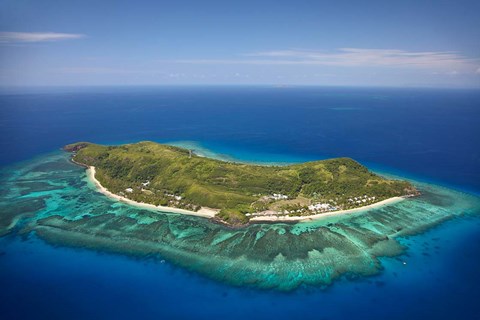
[327, 214]
[203, 212]
[210, 213]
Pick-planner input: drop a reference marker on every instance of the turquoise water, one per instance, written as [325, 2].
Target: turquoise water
[52, 198]
[56, 262]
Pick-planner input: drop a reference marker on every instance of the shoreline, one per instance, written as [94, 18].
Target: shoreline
[203, 212]
[211, 213]
[326, 214]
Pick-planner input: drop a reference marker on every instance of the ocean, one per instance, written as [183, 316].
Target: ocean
[428, 135]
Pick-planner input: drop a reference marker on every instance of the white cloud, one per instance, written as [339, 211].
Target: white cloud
[37, 36]
[453, 73]
[93, 70]
[350, 57]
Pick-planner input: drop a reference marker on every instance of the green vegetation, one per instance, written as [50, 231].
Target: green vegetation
[165, 175]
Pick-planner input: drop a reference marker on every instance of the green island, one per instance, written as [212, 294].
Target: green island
[234, 193]
[52, 198]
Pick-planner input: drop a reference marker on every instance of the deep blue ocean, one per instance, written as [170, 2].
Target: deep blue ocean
[430, 134]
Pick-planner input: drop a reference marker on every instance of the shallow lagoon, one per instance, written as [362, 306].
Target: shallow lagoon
[429, 133]
[53, 199]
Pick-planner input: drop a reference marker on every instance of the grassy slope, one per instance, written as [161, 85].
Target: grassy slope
[232, 187]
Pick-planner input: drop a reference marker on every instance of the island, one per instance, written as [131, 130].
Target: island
[51, 198]
[179, 180]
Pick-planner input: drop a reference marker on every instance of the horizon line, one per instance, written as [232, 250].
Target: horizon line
[273, 85]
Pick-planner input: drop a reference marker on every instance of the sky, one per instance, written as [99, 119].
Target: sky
[298, 42]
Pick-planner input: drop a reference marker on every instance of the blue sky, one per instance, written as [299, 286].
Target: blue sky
[341, 43]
